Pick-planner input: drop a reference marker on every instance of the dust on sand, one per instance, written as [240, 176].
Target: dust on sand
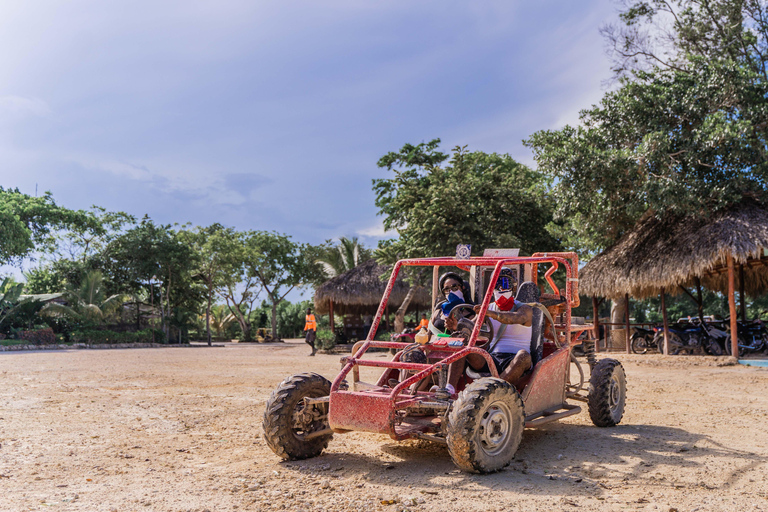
[177, 429]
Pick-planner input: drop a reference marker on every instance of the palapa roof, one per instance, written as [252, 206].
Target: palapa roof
[673, 251]
[360, 289]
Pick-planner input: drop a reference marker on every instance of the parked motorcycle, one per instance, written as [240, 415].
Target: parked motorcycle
[642, 340]
[753, 337]
[688, 337]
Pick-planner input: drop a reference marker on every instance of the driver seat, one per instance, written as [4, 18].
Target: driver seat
[527, 293]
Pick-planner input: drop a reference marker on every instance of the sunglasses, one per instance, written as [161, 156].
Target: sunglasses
[451, 288]
[504, 283]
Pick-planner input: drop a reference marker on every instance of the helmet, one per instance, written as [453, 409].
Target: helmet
[506, 281]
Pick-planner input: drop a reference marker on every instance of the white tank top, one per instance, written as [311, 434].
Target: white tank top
[516, 337]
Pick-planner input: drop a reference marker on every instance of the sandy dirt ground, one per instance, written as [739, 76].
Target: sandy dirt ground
[179, 429]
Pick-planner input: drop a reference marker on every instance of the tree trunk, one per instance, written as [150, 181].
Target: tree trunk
[274, 319]
[208, 320]
[618, 310]
[400, 313]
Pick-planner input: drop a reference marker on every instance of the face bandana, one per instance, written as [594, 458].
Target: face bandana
[454, 299]
[504, 300]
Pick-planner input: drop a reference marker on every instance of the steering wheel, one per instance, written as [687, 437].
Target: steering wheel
[486, 329]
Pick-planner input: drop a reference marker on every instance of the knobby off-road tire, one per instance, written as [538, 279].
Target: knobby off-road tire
[287, 421]
[607, 393]
[485, 426]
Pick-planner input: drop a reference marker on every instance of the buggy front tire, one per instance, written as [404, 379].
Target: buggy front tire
[485, 426]
[607, 393]
[291, 429]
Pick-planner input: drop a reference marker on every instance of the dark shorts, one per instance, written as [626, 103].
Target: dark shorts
[501, 360]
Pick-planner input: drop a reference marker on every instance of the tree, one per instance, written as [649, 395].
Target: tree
[685, 132]
[87, 303]
[487, 200]
[209, 243]
[221, 318]
[279, 264]
[26, 221]
[336, 259]
[150, 253]
[234, 282]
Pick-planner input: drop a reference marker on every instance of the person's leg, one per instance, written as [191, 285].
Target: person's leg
[311, 340]
[517, 367]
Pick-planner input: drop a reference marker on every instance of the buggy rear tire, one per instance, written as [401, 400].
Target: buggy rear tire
[485, 426]
[607, 393]
[287, 422]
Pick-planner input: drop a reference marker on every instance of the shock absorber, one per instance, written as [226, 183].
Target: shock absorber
[589, 350]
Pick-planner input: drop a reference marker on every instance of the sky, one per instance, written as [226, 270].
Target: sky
[272, 115]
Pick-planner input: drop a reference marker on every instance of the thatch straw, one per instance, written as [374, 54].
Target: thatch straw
[671, 252]
[359, 290]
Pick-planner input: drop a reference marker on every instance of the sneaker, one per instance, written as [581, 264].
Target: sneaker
[450, 389]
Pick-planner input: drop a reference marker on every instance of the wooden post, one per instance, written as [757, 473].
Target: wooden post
[330, 313]
[666, 322]
[626, 322]
[596, 314]
[741, 293]
[732, 308]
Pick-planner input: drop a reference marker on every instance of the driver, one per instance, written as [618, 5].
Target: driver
[455, 291]
[512, 323]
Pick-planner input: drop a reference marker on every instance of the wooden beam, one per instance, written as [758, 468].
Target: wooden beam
[732, 308]
[688, 293]
[596, 323]
[700, 300]
[626, 322]
[741, 293]
[666, 322]
[330, 313]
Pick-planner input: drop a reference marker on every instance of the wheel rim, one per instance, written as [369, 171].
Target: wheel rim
[614, 394]
[306, 420]
[495, 428]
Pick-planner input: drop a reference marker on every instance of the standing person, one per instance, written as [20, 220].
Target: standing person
[310, 325]
[424, 322]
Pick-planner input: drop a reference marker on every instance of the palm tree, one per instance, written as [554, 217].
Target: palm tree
[87, 301]
[342, 257]
[221, 319]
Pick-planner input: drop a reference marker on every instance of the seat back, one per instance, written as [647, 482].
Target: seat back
[528, 292]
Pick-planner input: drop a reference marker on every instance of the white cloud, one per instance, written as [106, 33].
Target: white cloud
[375, 231]
[22, 106]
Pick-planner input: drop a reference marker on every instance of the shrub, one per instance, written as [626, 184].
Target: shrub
[94, 336]
[325, 339]
[39, 336]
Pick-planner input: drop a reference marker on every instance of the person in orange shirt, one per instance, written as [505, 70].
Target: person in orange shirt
[424, 322]
[310, 325]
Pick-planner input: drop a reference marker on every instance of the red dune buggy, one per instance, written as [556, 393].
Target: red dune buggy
[482, 422]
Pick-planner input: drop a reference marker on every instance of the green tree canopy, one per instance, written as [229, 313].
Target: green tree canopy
[26, 221]
[684, 133]
[435, 202]
[280, 265]
[337, 258]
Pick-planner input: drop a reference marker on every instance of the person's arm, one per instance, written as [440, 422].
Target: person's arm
[523, 315]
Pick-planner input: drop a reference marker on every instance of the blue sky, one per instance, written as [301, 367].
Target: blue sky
[272, 115]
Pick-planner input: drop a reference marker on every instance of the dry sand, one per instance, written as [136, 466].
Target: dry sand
[177, 429]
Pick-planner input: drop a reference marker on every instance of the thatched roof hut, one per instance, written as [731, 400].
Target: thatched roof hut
[359, 290]
[673, 252]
